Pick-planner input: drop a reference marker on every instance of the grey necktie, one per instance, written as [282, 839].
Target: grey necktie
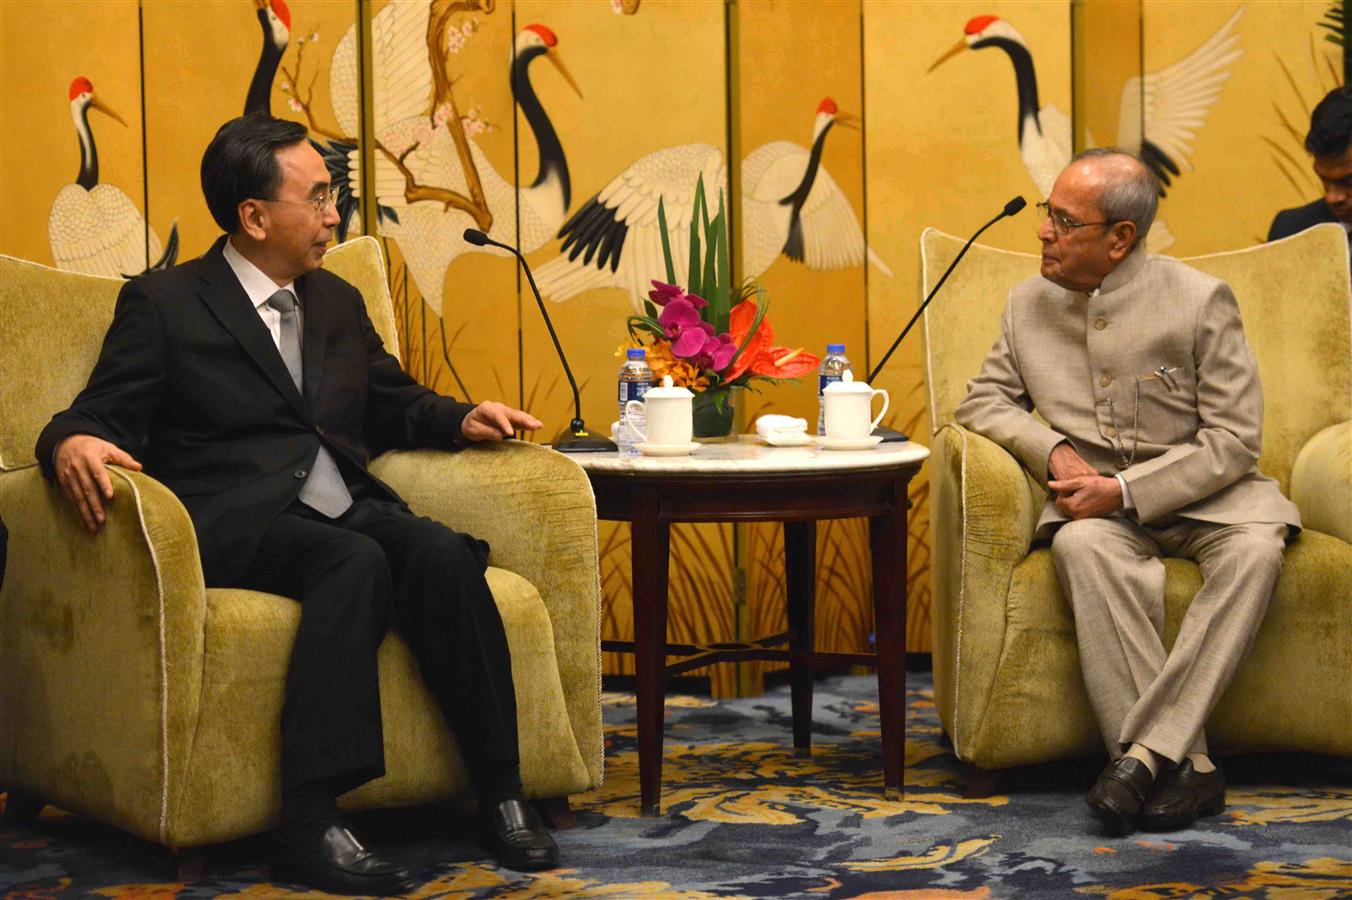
[324, 490]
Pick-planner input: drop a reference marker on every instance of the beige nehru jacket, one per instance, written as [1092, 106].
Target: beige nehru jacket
[1066, 354]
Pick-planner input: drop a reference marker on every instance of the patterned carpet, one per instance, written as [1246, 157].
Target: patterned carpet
[745, 818]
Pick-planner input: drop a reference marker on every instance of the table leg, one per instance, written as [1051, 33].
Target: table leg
[650, 547]
[800, 571]
[887, 546]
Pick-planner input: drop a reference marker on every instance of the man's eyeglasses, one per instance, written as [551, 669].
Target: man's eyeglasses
[1063, 223]
[320, 202]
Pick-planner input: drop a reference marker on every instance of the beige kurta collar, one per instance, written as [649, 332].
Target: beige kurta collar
[1128, 269]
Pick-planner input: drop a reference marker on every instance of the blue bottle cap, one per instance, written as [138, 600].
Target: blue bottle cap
[835, 348]
[637, 353]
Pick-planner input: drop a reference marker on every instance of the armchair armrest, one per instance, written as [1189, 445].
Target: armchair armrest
[1321, 481]
[101, 643]
[535, 508]
[984, 515]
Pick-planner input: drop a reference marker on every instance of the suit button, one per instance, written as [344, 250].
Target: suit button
[1110, 431]
[1100, 324]
[1105, 380]
[299, 474]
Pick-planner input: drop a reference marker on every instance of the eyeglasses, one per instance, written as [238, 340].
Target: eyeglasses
[1064, 224]
[319, 203]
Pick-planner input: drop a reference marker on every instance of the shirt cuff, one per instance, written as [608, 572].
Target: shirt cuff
[1126, 494]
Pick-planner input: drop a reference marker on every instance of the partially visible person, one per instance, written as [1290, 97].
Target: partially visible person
[1330, 143]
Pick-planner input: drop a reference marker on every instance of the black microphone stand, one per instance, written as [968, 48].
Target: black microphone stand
[1011, 208]
[577, 439]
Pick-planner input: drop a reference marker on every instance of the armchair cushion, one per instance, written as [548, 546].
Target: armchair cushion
[1321, 481]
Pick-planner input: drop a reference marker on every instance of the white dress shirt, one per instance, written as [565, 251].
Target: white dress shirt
[260, 287]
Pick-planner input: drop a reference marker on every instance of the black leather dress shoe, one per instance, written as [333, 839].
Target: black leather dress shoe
[1119, 793]
[332, 859]
[1182, 795]
[513, 832]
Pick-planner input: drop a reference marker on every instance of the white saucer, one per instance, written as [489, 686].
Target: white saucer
[863, 443]
[793, 439]
[667, 449]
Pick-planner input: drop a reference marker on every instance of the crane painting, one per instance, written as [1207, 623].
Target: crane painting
[431, 179]
[93, 227]
[1160, 112]
[791, 207]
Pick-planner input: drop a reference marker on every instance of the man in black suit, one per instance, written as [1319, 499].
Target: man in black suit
[253, 385]
[1330, 143]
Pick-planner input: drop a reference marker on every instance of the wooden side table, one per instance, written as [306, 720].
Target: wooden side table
[751, 482]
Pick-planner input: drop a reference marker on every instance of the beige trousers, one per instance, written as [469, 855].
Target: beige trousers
[1113, 572]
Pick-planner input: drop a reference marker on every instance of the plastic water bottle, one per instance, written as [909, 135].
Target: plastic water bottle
[635, 379]
[834, 365]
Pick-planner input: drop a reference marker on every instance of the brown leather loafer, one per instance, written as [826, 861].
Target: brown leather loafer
[1119, 793]
[1182, 795]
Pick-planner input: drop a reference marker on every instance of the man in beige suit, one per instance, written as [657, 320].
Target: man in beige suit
[1153, 415]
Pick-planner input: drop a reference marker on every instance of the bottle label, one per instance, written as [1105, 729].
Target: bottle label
[824, 380]
[633, 390]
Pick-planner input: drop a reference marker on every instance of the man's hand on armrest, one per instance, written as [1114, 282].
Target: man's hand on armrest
[493, 421]
[81, 470]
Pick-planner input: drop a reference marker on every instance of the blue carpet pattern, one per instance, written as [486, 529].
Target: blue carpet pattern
[745, 818]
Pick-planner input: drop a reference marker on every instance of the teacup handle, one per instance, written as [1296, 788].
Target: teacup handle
[884, 409]
[629, 423]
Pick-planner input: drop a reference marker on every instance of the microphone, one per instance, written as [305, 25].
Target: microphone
[1011, 208]
[577, 439]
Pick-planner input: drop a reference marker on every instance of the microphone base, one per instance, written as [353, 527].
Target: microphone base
[580, 440]
[888, 435]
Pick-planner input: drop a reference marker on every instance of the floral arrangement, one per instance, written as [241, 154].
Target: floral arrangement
[709, 336]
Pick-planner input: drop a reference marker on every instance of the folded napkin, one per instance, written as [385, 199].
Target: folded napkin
[771, 426]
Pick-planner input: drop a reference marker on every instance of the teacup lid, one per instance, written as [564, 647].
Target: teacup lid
[667, 391]
[847, 385]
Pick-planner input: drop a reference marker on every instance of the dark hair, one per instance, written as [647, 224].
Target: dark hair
[1331, 124]
[241, 164]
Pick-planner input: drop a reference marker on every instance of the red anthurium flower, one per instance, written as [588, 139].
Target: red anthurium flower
[785, 362]
[739, 325]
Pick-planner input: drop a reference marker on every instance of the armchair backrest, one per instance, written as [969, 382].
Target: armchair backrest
[52, 325]
[1293, 294]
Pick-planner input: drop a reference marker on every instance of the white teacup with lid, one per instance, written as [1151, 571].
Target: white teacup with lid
[848, 406]
[670, 419]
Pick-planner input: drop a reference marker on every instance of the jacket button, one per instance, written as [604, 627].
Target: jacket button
[299, 474]
[1105, 380]
[1100, 324]
[1110, 431]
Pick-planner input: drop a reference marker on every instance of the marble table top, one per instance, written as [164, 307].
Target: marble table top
[750, 454]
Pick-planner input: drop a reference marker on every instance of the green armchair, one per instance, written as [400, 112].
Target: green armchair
[131, 693]
[1006, 667]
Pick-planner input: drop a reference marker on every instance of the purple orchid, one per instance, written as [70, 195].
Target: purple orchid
[664, 293]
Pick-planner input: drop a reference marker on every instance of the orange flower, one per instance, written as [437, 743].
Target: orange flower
[761, 356]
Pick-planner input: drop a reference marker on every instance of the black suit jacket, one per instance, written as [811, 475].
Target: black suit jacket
[190, 382]
[1292, 221]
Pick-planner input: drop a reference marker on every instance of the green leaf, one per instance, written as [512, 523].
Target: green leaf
[709, 280]
[666, 242]
[650, 309]
[643, 323]
[693, 272]
[724, 274]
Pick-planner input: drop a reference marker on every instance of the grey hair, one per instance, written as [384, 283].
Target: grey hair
[1133, 198]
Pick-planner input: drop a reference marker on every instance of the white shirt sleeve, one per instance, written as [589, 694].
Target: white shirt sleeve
[1126, 494]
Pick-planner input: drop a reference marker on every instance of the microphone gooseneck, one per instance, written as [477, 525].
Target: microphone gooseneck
[581, 439]
[1011, 208]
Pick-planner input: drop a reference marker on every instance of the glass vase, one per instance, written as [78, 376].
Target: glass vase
[713, 413]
